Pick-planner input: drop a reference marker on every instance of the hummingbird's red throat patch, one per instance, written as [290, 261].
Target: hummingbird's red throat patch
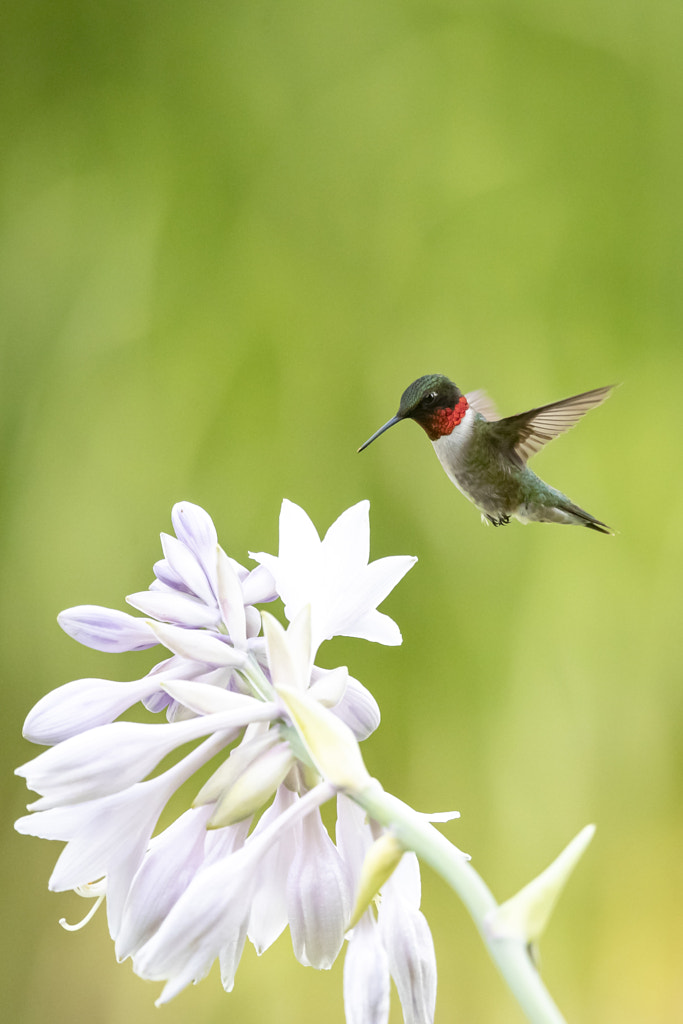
[444, 421]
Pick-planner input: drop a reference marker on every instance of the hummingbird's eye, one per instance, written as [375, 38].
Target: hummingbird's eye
[430, 398]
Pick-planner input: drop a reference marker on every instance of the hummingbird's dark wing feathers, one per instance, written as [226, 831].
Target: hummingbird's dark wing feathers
[483, 404]
[523, 435]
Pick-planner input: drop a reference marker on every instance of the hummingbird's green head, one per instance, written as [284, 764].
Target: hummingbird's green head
[434, 402]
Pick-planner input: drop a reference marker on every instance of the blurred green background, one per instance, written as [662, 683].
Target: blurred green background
[232, 233]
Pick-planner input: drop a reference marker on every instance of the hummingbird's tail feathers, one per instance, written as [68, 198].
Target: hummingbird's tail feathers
[523, 435]
[583, 518]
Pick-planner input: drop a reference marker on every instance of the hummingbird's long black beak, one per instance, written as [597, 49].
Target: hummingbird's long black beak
[394, 419]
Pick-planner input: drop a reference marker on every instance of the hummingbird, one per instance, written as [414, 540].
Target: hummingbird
[486, 457]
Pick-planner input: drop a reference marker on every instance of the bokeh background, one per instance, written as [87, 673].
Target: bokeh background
[232, 233]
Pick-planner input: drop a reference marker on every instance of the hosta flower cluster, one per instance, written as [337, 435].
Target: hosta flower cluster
[250, 856]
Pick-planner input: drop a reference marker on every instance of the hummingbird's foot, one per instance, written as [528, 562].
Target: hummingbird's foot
[500, 521]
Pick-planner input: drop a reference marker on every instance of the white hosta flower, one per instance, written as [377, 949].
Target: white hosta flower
[268, 917]
[366, 975]
[191, 894]
[173, 859]
[200, 607]
[318, 897]
[211, 917]
[334, 575]
[401, 931]
[408, 941]
[108, 836]
[113, 757]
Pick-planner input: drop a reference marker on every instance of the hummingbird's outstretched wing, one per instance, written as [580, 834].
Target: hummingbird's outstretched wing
[482, 403]
[522, 436]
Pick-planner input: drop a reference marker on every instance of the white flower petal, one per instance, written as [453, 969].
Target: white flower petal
[410, 949]
[104, 837]
[171, 862]
[183, 565]
[289, 664]
[374, 626]
[294, 569]
[194, 527]
[230, 598]
[259, 586]
[318, 897]
[349, 536]
[211, 915]
[231, 954]
[380, 577]
[268, 917]
[298, 535]
[253, 620]
[366, 976]
[83, 704]
[333, 576]
[196, 645]
[111, 757]
[406, 880]
[166, 577]
[360, 596]
[353, 835]
[112, 834]
[174, 607]
[205, 699]
[106, 629]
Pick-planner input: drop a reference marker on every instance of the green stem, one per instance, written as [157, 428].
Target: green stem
[416, 833]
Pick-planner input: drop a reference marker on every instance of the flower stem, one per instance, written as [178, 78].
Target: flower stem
[510, 955]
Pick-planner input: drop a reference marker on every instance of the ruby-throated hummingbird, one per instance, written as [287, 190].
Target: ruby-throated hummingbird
[486, 457]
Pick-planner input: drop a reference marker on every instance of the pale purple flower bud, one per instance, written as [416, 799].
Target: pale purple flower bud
[183, 571]
[402, 930]
[408, 942]
[259, 587]
[167, 578]
[196, 645]
[184, 669]
[168, 606]
[359, 709]
[318, 897]
[194, 528]
[254, 786]
[81, 705]
[206, 698]
[106, 629]
[230, 598]
[268, 917]
[366, 976]
[230, 770]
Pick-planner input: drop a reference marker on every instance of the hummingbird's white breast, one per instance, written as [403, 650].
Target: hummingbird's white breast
[451, 451]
